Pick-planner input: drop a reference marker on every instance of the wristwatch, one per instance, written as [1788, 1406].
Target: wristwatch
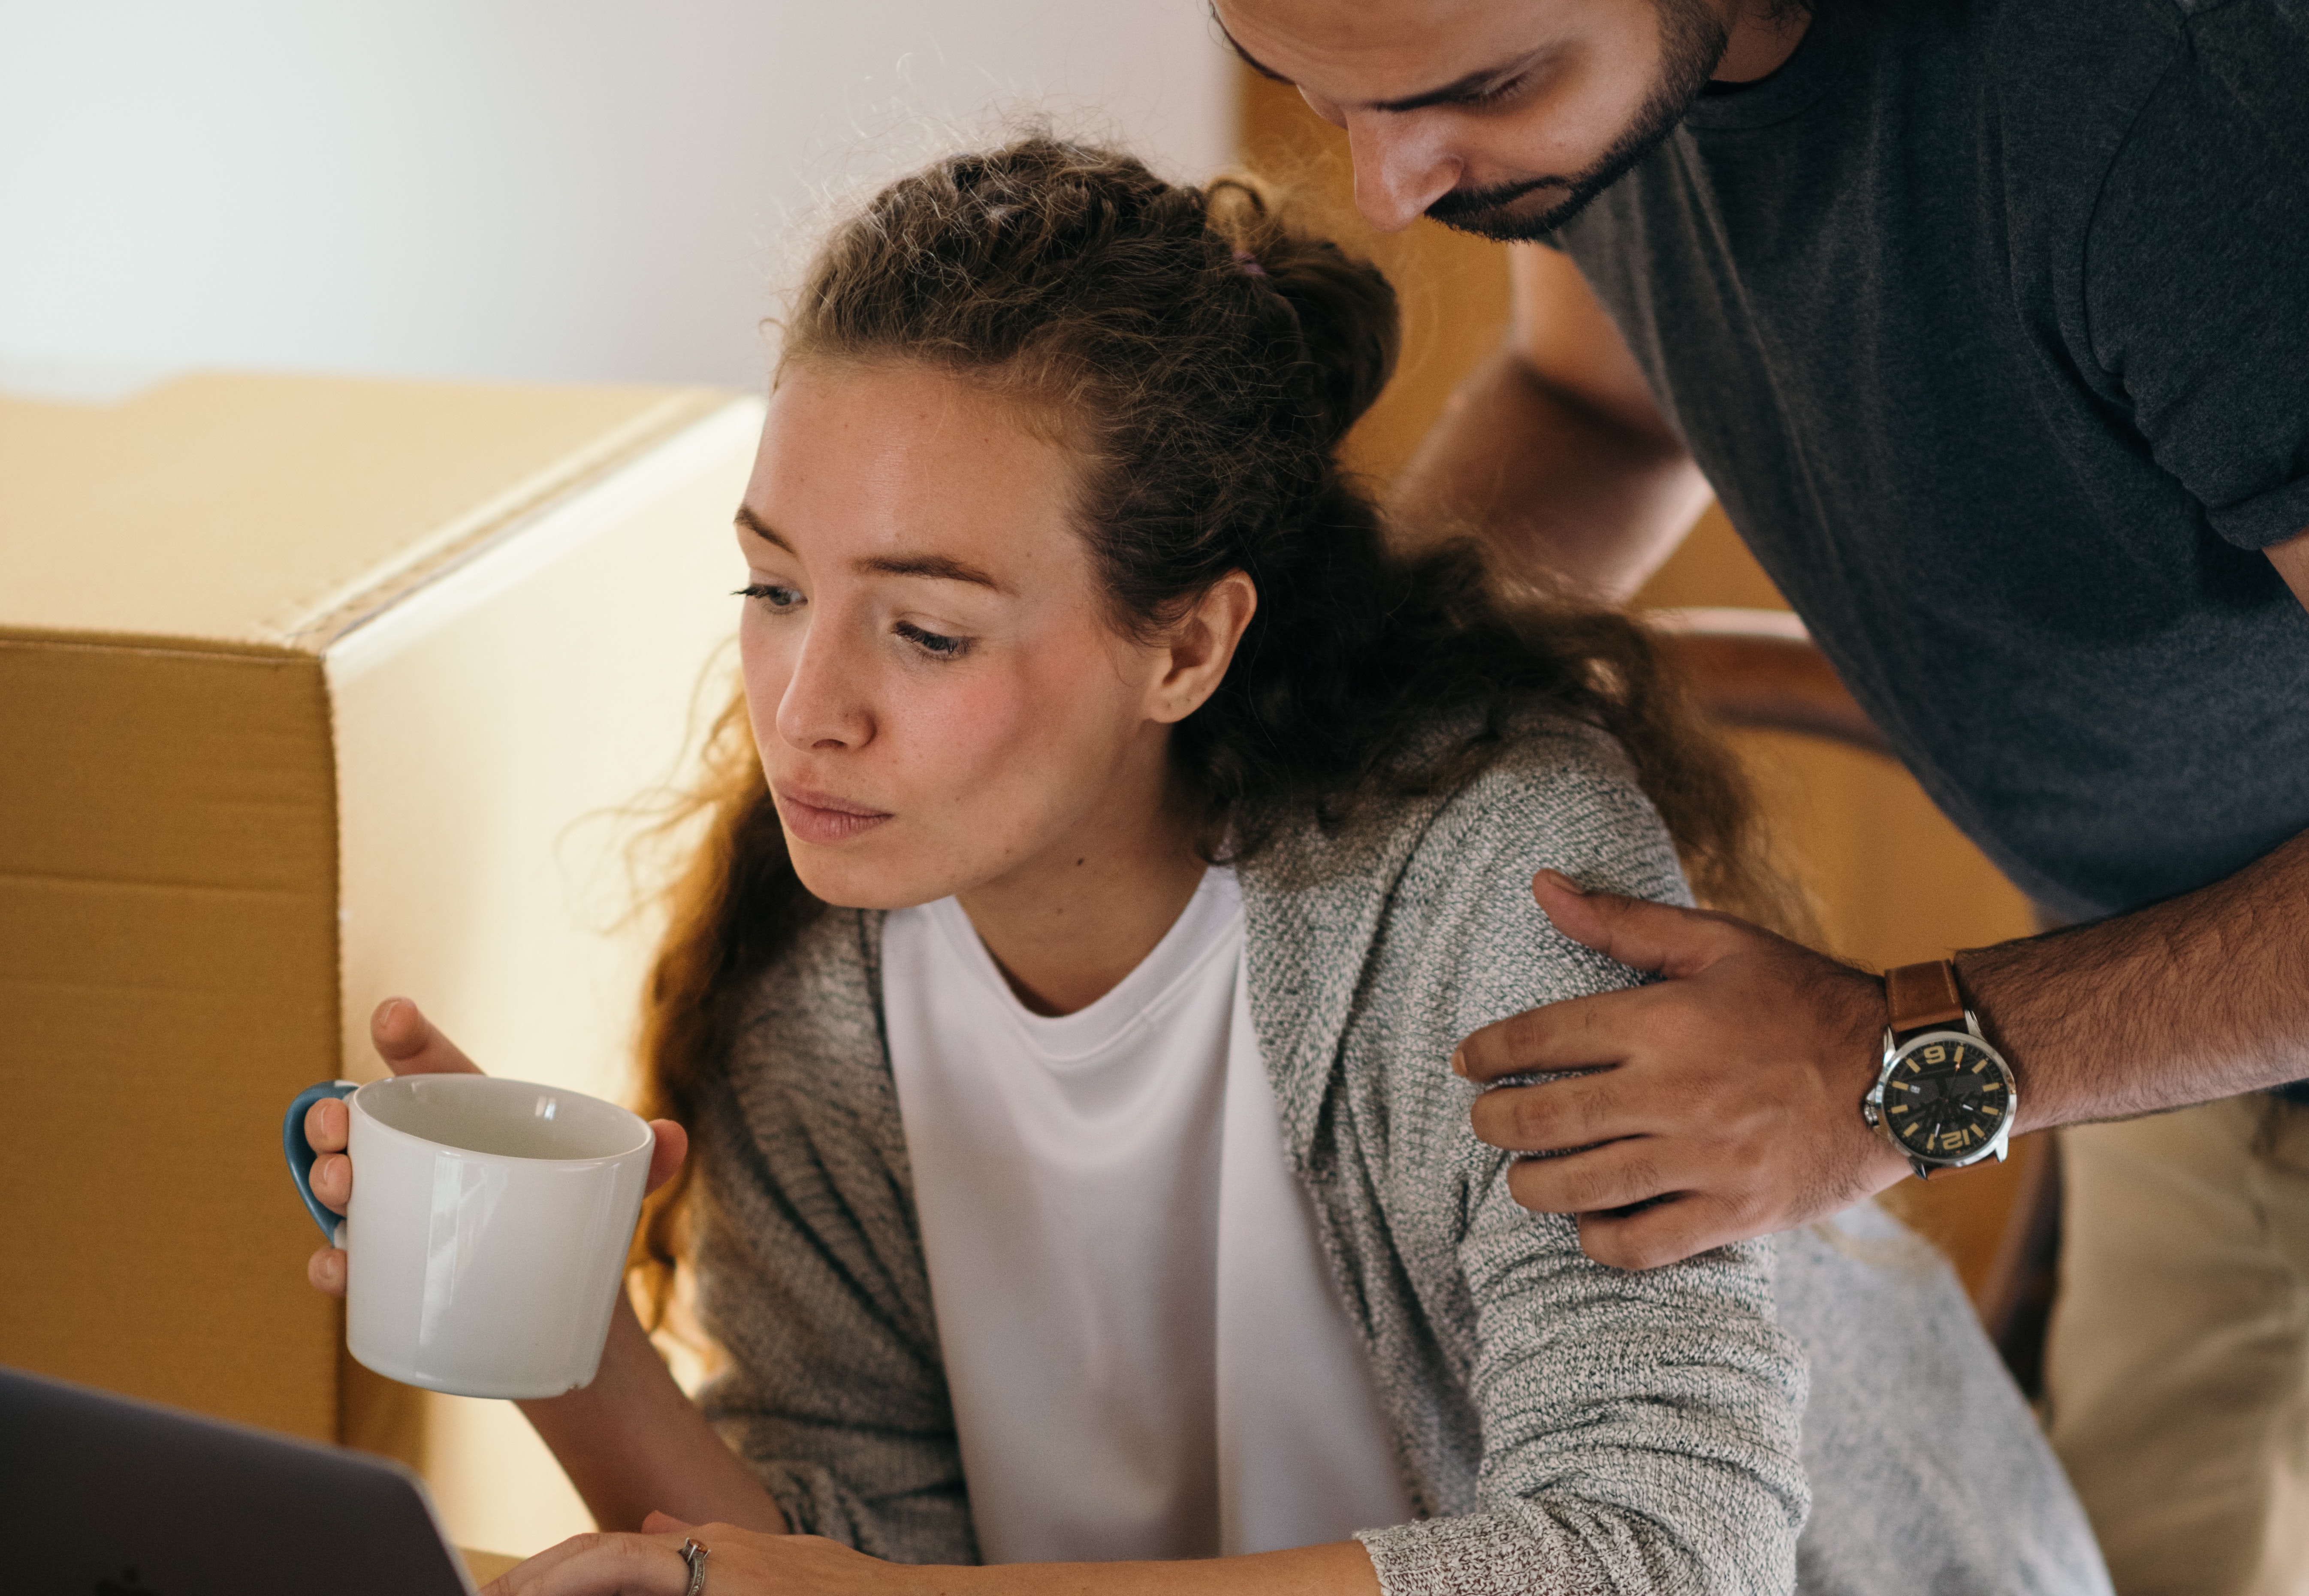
[1944, 1097]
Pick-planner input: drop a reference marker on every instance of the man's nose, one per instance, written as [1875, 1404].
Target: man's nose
[1401, 168]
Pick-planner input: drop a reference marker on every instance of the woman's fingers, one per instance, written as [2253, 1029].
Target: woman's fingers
[742, 1562]
[665, 1157]
[409, 1042]
[327, 1269]
[411, 1046]
[522, 1577]
[601, 1566]
[327, 1124]
[331, 1180]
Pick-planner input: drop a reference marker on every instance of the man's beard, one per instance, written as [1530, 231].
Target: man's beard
[1691, 43]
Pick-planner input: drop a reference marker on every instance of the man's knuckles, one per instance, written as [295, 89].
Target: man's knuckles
[1497, 1117]
[1507, 1047]
[1671, 1232]
[1611, 1187]
[1748, 1210]
[1554, 1116]
[1520, 1119]
[1593, 1107]
[1581, 1184]
[1647, 1241]
[1534, 1190]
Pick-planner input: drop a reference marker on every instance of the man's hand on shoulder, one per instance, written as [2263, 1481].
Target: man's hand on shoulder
[1723, 1101]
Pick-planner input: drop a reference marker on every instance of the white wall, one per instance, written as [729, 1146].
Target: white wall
[507, 188]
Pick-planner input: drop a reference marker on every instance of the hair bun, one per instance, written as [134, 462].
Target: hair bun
[1350, 329]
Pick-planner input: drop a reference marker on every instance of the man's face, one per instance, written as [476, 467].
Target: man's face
[1501, 117]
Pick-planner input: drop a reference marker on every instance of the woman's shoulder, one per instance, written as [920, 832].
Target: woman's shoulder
[1552, 793]
[1460, 915]
[1559, 794]
[1415, 916]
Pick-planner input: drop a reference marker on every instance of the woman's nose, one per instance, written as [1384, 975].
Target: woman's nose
[825, 706]
[1401, 168]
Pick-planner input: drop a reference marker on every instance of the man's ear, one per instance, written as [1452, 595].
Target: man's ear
[1201, 645]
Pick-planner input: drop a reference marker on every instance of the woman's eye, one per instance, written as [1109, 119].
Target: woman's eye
[771, 595]
[933, 644]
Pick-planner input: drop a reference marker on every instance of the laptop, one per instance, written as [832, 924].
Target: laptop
[102, 1496]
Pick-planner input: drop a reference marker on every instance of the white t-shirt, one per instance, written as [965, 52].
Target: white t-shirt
[1145, 1350]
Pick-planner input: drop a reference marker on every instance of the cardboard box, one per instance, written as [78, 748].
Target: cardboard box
[313, 692]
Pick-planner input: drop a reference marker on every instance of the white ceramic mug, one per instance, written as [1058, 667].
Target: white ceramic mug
[487, 1236]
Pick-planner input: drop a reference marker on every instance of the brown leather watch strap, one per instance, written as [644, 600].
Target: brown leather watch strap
[1924, 996]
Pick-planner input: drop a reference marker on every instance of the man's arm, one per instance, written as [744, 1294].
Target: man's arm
[2204, 995]
[1553, 452]
[1733, 1085]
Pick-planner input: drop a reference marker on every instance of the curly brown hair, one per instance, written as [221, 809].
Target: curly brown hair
[1202, 356]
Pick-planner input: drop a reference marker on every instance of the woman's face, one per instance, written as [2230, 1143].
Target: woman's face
[939, 701]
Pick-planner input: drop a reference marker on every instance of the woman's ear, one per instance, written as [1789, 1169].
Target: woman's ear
[1201, 646]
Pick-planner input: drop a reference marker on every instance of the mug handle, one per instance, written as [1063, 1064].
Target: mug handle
[301, 1155]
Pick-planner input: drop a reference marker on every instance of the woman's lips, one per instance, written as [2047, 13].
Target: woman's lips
[822, 819]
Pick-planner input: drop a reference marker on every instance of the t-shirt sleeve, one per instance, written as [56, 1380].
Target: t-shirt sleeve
[2196, 269]
[1639, 1429]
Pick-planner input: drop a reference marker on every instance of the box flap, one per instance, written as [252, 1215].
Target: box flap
[251, 511]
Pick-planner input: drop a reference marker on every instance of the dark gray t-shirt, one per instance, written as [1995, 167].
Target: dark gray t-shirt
[1990, 324]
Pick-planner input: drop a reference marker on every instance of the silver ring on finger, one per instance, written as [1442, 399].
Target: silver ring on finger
[694, 1556]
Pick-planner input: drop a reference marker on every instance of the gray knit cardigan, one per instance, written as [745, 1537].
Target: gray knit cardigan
[1560, 1426]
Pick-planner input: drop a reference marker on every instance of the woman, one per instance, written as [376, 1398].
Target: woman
[1060, 1000]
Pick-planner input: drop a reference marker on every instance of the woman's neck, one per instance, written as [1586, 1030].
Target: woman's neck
[1068, 925]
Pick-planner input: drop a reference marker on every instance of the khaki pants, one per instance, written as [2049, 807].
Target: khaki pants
[2177, 1370]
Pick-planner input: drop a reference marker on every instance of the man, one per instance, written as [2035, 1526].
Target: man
[1988, 323]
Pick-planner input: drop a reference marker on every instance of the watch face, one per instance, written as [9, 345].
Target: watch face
[1945, 1096]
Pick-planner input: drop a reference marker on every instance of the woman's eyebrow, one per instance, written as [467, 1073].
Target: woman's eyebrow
[755, 524]
[938, 567]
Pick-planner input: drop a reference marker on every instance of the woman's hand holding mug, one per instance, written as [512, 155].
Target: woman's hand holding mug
[535, 1189]
[409, 1045]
